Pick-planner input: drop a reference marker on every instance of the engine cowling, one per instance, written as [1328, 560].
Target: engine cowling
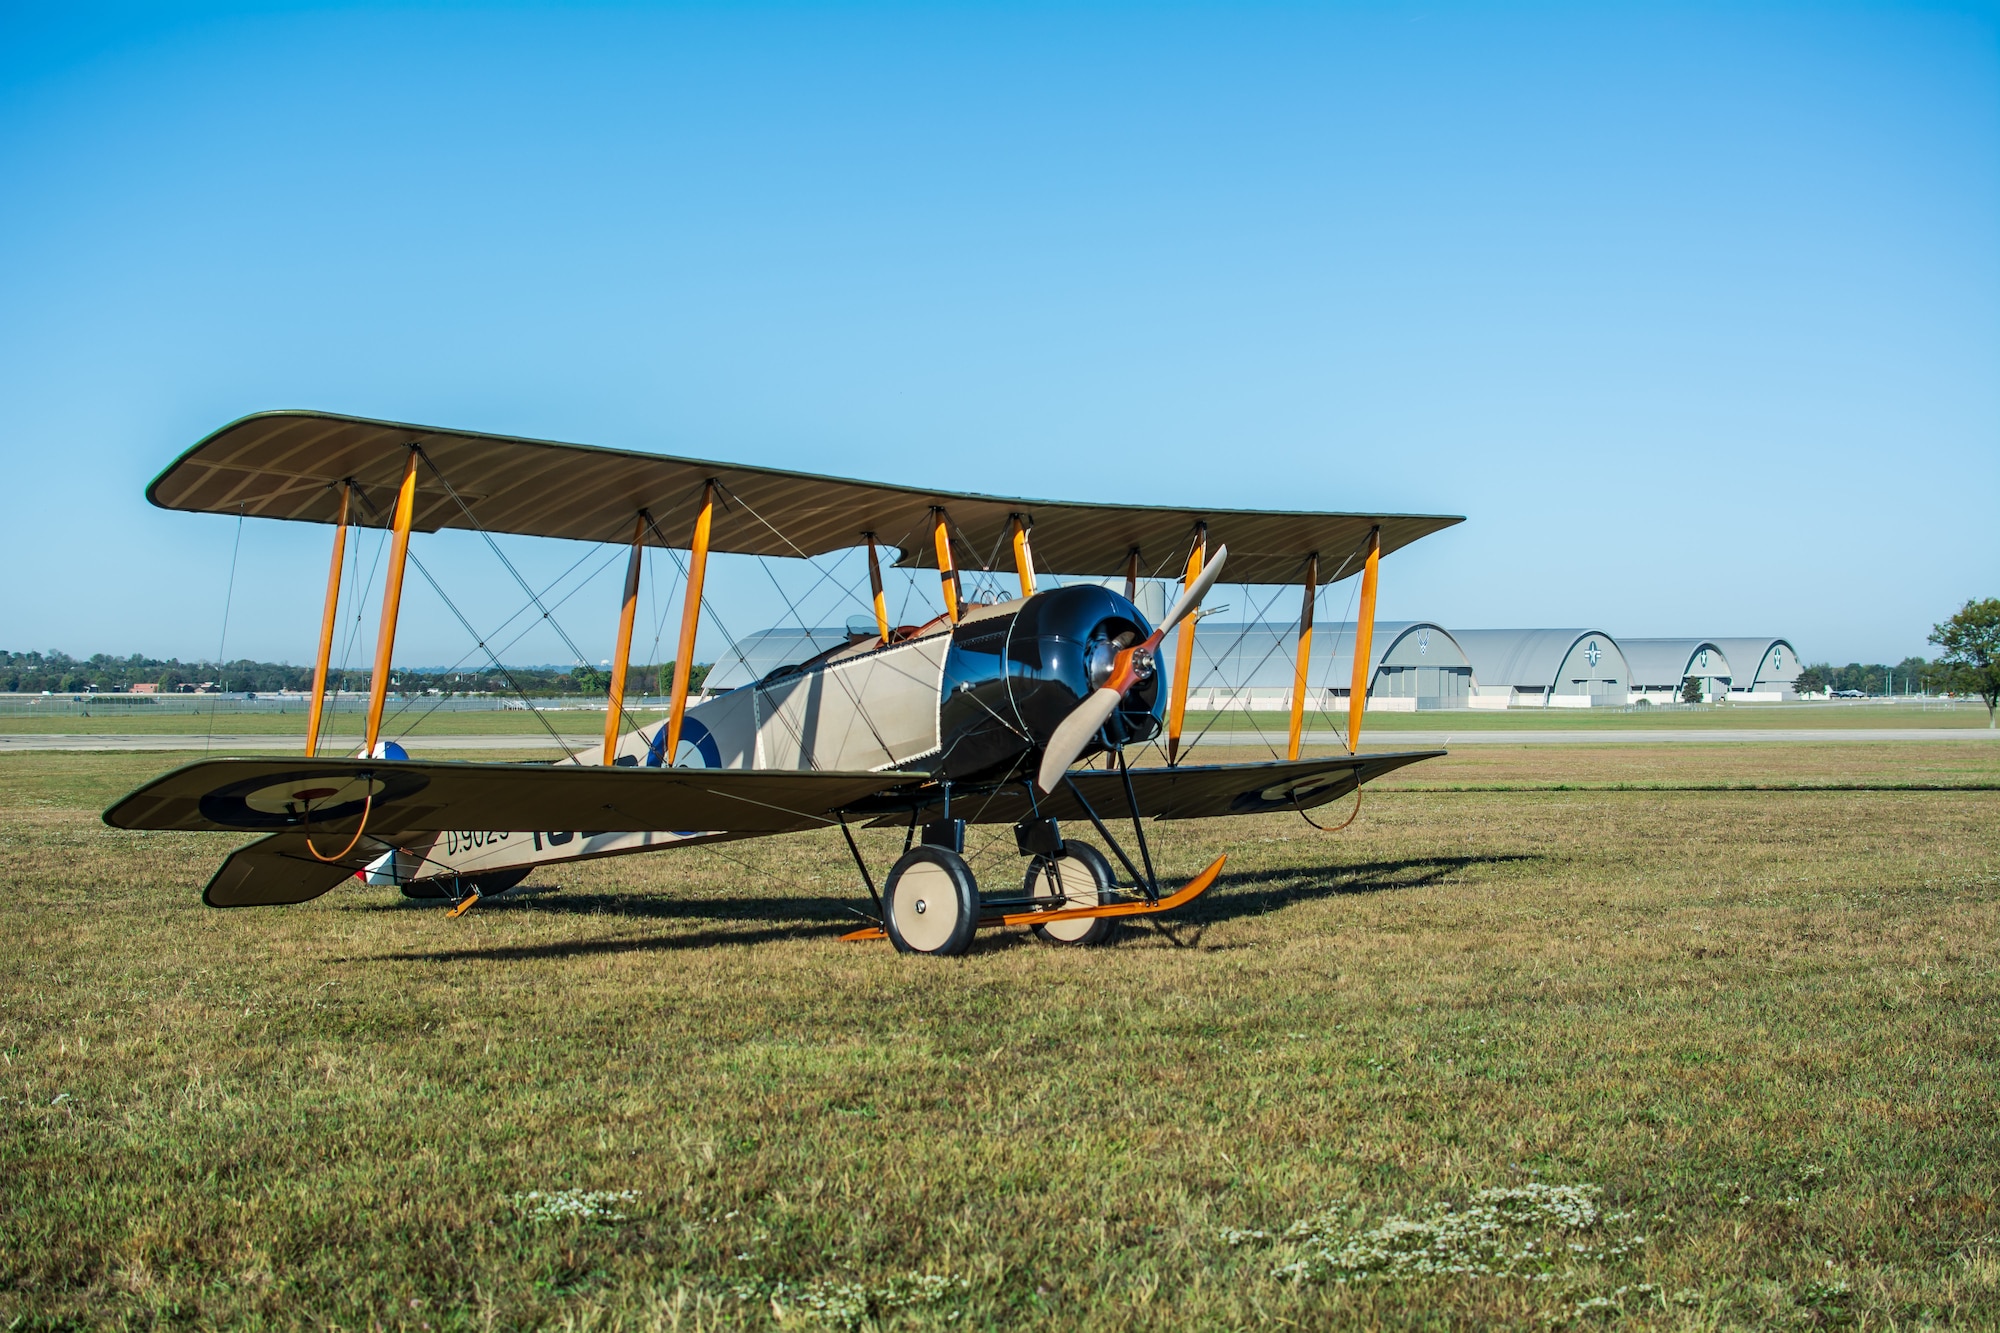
[1011, 676]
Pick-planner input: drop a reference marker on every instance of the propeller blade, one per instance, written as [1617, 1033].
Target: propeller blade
[1074, 733]
[1197, 590]
[1083, 722]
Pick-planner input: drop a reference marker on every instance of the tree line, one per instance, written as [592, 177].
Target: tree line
[1969, 664]
[1912, 675]
[102, 673]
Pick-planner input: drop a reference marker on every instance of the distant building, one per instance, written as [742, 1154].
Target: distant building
[1772, 678]
[1414, 665]
[1662, 667]
[1545, 668]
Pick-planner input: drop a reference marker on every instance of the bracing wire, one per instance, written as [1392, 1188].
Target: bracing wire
[1215, 665]
[505, 674]
[228, 599]
[495, 548]
[482, 642]
[526, 630]
[358, 598]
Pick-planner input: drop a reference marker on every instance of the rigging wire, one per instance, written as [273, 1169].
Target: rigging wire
[1215, 665]
[507, 675]
[359, 598]
[1353, 596]
[526, 630]
[228, 599]
[494, 546]
[404, 732]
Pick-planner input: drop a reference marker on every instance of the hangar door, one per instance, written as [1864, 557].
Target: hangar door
[1431, 687]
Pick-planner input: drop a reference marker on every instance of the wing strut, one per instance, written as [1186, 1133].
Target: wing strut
[690, 619]
[1299, 671]
[875, 587]
[327, 618]
[1024, 556]
[1132, 575]
[614, 714]
[1184, 647]
[392, 599]
[947, 570]
[1364, 642]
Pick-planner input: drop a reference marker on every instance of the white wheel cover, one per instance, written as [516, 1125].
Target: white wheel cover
[1080, 887]
[926, 906]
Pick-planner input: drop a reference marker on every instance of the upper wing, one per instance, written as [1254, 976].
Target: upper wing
[290, 465]
[1192, 791]
[328, 798]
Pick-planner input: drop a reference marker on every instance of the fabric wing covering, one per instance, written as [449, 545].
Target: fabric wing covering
[328, 798]
[1191, 791]
[290, 465]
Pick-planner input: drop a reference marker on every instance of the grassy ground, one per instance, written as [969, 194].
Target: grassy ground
[417, 721]
[1729, 1058]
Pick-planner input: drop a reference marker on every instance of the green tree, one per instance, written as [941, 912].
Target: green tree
[1813, 679]
[1690, 689]
[1970, 662]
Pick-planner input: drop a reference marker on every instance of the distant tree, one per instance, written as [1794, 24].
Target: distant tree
[1970, 663]
[1814, 679]
[1690, 689]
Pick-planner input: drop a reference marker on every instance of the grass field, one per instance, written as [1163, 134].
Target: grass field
[1625, 1053]
[417, 722]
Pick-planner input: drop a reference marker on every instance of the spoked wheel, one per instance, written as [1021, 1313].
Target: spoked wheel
[930, 903]
[1081, 877]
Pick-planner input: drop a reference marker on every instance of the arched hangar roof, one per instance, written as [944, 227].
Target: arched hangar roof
[1662, 664]
[1761, 662]
[1260, 655]
[1533, 658]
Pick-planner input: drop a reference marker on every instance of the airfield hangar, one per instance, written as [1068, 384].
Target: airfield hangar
[1415, 665]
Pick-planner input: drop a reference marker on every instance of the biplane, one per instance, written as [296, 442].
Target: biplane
[1014, 710]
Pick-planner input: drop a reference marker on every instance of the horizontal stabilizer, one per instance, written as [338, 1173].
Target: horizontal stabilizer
[328, 799]
[278, 869]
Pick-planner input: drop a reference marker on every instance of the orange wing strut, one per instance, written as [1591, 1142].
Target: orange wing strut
[1364, 642]
[1302, 668]
[621, 659]
[1132, 575]
[326, 621]
[947, 571]
[875, 587]
[1184, 648]
[1181, 897]
[690, 621]
[1024, 556]
[392, 601]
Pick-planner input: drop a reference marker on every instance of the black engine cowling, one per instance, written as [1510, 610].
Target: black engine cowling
[1011, 677]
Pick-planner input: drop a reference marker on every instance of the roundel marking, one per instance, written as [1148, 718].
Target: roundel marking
[694, 736]
[293, 800]
[1281, 796]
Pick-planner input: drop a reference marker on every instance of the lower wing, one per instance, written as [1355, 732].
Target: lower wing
[331, 800]
[1192, 791]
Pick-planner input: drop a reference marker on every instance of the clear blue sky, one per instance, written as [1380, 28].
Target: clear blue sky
[1695, 311]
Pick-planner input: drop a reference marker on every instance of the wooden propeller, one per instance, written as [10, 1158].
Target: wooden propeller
[1083, 722]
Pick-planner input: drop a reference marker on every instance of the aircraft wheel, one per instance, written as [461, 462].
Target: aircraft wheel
[930, 903]
[1086, 880]
[490, 885]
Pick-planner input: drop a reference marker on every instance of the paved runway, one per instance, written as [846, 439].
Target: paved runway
[1377, 740]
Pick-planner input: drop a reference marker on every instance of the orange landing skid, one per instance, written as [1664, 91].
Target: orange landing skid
[1192, 890]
